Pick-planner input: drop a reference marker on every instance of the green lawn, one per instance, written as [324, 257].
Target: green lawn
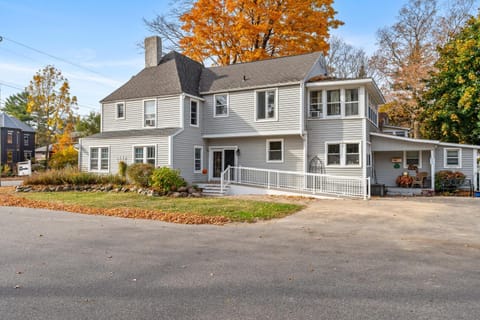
[234, 209]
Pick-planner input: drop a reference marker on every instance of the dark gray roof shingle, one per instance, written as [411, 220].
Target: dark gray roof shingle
[174, 74]
[134, 133]
[177, 74]
[259, 73]
[7, 121]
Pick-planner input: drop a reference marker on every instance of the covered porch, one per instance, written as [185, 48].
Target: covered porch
[403, 163]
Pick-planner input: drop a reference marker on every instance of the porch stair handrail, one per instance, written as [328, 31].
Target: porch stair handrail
[302, 182]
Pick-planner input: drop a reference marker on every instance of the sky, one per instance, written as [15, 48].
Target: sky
[95, 43]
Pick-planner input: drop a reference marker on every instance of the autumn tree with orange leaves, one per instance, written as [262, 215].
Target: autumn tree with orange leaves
[52, 107]
[233, 31]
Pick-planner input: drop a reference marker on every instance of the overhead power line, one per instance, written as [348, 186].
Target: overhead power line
[51, 56]
[11, 85]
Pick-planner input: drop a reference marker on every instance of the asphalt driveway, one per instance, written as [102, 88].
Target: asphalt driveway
[338, 259]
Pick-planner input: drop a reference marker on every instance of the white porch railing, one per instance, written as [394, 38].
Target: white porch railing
[310, 183]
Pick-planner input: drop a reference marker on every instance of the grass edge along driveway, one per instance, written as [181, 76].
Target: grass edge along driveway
[180, 210]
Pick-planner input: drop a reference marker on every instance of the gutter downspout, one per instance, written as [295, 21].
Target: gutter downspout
[475, 169]
[432, 168]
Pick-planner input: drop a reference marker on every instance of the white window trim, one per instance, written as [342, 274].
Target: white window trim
[445, 165]
[201, 159]
[124, 110]
[198, 113]
[143, 114]
[267, 149]
[99, 159]
[343, 154]
[144, 146]
[405, 165]
[276, 106]
[215, 105]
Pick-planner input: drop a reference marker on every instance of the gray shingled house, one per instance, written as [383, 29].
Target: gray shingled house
[17, 141]
[278, 123]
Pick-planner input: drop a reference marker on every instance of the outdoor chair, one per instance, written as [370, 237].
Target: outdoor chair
[419, 179]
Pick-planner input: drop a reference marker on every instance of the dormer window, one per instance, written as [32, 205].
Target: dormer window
[149, 113]
[120, 109]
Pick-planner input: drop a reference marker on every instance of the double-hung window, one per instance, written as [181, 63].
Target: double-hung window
[144, 154]
[352, 154]
[343, 154]
[99, 159]
[316, 105]
[266, 106]
[333, 154]
[120, 110]
[10, 137]
[197, 159]
[412, 158]
[221, 105]
[452, 158]
[333, 103]
[351, 102]
[26, 139]
[275, 150]
[194, 113]
[149, 113]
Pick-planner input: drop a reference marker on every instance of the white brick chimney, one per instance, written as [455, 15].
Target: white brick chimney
[153, 51]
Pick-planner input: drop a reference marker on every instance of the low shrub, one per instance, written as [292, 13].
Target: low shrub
[166, 179]
[72, 176]
[140, 173]
[445, 175]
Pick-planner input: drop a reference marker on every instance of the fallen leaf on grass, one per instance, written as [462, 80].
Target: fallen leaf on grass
[9, 200]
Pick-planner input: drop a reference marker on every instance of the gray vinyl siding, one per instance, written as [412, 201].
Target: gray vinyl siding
[184, 144]
[122, 150]
[241, 118]
[385, 144]
[253, 152]
[467, 161]
[334, 130]
[385, 172]
[168, 114]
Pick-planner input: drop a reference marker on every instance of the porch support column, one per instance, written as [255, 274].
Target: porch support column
[475, 170]
[432, 167]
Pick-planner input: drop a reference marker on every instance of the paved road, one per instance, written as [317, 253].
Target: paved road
[381, 259]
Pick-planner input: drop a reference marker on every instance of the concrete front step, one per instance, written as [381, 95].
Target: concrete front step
[213, 189]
